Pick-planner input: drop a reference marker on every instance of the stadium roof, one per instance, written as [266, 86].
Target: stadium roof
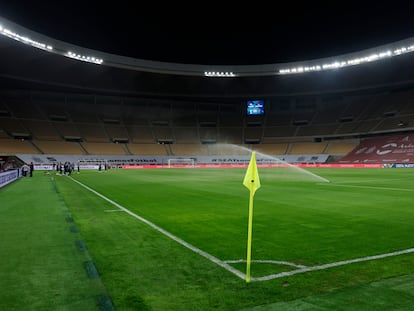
[78, 31]
[215, 35]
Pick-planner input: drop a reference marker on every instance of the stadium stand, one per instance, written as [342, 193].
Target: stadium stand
[230, 135]
[227, 150]
[93, 132]
[140, 134]
[67, 130]
[147, 149]
[279, 131]
[58, 147]
[189, 150]
[14, 146]
[104, 148]
[42, 130]
[296, 127]
[307, 148]
[13, 126]
[388, 149]
[116, 132]
[341, 147]
[186, 135]
[271, 148]
[208, 133]
[163, 132]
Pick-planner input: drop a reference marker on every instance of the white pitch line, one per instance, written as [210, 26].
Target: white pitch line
[112, 210]
[330, 265]
[367, 187]
[274, 262]
[168, 234]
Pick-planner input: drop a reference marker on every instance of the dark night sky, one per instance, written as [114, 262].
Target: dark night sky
[204, 33]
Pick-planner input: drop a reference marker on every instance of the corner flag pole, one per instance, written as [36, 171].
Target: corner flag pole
[249, 238]
[252, 182]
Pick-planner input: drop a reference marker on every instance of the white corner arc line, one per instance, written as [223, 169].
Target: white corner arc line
[333, 264]
[168, 234]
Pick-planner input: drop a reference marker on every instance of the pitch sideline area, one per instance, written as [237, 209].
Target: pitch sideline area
[42, 267]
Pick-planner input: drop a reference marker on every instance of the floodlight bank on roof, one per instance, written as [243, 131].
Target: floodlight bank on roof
[349, 62]
[26, 36]
[15, 36]
[47, 47]
[219, 74]
[84, 58]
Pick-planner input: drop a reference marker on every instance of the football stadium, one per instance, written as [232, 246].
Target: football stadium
[132, 184]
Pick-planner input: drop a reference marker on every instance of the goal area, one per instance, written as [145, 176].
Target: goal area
[180, 162]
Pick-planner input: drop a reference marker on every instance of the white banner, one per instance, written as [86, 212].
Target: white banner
[8, 177]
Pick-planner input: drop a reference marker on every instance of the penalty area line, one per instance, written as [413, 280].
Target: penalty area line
[166, 233]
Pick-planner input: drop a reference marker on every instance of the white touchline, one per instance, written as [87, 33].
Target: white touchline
[333, 264]
[168, 234]
[225, 265]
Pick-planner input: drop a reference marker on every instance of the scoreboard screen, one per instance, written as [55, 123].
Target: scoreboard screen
[255, 107]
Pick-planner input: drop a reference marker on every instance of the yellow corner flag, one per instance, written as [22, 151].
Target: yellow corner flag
[252, 182]
[251, 179]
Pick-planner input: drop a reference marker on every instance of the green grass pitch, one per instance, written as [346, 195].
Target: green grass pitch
[298, 218]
